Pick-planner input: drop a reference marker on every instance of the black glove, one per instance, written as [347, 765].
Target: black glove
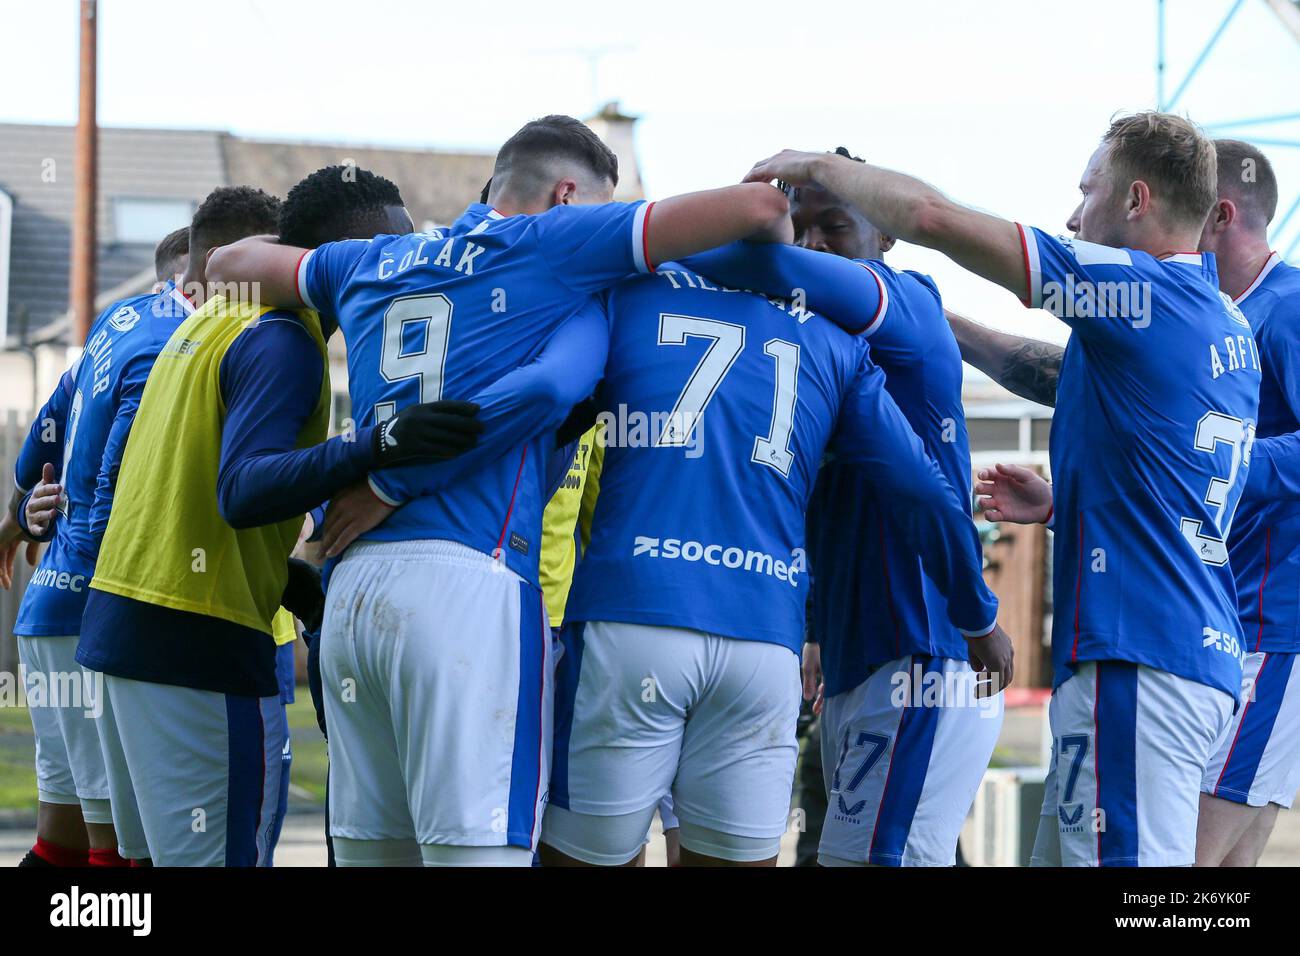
[579, 422]
[303, 596]
[433, 431]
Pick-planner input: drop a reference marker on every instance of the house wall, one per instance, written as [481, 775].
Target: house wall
[27, 376]
[37, 170]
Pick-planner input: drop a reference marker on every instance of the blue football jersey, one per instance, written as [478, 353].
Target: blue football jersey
[445, 314]
[1265, 544]
[104, 389]
[717, 408]
[873, 601]
[1155, 416]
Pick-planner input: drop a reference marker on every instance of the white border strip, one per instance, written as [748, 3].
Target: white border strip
[300, 280]
[880, 309]
[1029, 248]
[392, 502]
[982, 633]
[1273, 260]
[640, 222]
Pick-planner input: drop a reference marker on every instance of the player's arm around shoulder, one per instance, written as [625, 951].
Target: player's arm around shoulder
[907, 208]
[262, 265]
[693, 222]
[911, 315]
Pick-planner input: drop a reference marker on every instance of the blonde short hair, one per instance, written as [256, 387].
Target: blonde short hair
[1170, 154]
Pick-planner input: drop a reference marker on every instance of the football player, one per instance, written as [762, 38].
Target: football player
[1155, 413]
[436, 659]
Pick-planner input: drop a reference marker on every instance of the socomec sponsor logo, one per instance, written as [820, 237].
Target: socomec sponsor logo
[60, 580]
[718, 555]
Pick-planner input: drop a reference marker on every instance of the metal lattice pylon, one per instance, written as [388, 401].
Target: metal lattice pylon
[1288, 12]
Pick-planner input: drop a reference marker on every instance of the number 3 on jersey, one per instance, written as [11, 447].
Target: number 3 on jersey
[727, 342]
[1222, 495]
[422, 322]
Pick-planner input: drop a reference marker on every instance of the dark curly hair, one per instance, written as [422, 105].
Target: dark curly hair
[336, 202]
[231, 213]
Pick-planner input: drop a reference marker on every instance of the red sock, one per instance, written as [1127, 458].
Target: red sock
[56, 855]
[106, 857]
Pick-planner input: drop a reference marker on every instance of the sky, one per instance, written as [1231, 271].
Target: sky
[998, 103]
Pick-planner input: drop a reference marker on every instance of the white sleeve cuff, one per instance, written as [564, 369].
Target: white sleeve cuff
[1033, 269]
[641, 238]
[300, 280]
[984, 632]
[381, 495]
[882, 308]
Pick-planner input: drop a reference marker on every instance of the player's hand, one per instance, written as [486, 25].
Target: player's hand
[303, 596]
[790, 166]
[12, 540]
[431, 431]
[812, 674]
[1012, 493]
[993, 659]
[352, 512]
[43, 504]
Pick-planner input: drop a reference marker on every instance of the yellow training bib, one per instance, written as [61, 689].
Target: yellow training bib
[166, 541]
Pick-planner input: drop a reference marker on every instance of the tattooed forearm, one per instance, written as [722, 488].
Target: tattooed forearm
[1026, 367]
[1031, 371]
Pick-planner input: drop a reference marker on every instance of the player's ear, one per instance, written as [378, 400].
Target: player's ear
[1138, 201]
[886, 243]
[1223, 215]
[564, 193]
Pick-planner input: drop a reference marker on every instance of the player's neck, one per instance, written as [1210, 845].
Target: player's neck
[509, 201]
[1163, 243]
[510, 206]
[1240, 261]
[194, 285]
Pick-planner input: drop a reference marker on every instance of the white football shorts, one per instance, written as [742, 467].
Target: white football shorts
[645, 710]
[196, 772]
[904, 753]
[1130, 747]
[1257, 761]
[436, 668]
[65, 703]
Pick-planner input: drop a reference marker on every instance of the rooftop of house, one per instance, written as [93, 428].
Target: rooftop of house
[151, 181]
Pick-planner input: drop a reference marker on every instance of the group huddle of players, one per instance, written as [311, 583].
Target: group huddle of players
[603, 461]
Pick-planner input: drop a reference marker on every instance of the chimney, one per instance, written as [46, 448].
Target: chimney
[616, 128]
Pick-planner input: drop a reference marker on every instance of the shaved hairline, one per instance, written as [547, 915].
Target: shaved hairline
[529, 177]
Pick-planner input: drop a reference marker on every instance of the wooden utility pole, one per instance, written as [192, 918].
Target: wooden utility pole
[82, 283]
